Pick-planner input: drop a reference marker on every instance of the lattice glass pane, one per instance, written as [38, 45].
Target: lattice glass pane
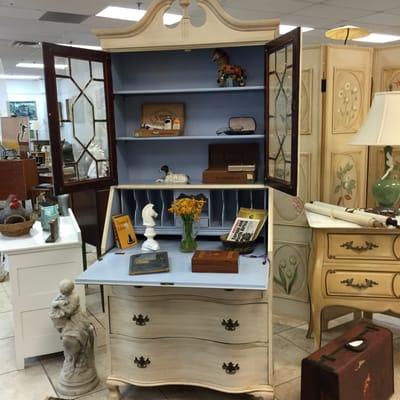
[62, 66]
[97, 70]
[83, 127]
[80, 72]
[95, 93]
[280, 113]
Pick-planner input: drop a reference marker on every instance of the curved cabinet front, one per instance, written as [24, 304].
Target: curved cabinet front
[230, 368]
[169, 317]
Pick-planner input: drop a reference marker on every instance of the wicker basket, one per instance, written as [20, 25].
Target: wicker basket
[241, 247]
[17, 229]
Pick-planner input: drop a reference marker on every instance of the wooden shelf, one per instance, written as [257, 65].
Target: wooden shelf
[184, 138]
[196, 185]
[191, 90]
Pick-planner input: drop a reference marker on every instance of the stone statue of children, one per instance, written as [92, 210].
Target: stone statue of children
[78, 375]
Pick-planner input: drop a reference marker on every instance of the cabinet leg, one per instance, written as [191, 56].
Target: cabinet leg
[113, 392]
[368, 315]
[316, 321]
[262, 396]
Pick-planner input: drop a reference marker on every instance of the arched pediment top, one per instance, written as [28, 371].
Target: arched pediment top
[219, 29]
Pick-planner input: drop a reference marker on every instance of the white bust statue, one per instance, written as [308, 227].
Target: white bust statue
[148, 215]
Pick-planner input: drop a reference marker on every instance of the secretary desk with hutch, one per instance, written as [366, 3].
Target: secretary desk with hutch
[209, 330]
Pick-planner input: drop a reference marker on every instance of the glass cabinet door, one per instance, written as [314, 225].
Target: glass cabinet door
[282, 97]
[81, 120]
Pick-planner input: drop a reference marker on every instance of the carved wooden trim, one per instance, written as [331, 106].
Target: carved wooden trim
[306, 102]
[219, 29]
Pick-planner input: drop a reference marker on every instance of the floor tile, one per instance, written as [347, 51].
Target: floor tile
[5, 304]
[28, 384]
[53, 365]
[7, 355]
[289, 390]
[282, 323]
[287, 360]
[100, 395]
[6, 325]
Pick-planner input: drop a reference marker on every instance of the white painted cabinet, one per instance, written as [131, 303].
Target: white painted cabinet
[36, 268]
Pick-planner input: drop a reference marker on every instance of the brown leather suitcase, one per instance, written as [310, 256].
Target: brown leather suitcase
[340, 371]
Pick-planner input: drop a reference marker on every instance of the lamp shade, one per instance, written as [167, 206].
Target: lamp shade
[382, 125]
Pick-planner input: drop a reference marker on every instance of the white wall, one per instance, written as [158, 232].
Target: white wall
[26, 90]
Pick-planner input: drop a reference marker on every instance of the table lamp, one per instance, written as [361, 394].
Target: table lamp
[382, 128]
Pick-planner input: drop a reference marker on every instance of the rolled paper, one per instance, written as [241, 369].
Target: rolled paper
[345, 216]
[381, 218]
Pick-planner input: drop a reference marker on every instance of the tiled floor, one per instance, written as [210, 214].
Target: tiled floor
[37, 380]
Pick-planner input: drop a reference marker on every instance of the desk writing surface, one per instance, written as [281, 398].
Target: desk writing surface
[69, 234]
[112, 269]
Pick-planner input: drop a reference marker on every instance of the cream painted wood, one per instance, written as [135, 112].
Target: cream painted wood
[369, 284]
[291, 232]
[219, 30]
[343, 173]
[190, 361]
[364, 247]
[36, 268]
[146, 293]
[206, 320]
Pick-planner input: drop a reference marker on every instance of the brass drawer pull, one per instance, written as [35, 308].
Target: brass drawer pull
[230, 325]
[368, 283]
[359, 249]
[140, 319]
[141, 362]
[230, 368]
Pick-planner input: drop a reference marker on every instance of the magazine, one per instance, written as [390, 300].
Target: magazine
[243, 230]
[254, 213]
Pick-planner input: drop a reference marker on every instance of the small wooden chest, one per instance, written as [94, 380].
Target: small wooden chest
[215, 261]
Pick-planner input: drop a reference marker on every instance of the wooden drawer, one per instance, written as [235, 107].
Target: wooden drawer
[148, 291]
[343, 282]
[365, 247]
[169, 317]
[189, 361]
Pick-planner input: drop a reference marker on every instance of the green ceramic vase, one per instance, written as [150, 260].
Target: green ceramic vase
[387, 191]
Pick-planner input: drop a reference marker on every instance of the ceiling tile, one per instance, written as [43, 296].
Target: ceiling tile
[321, 10]
[372, 5]
[283, 6]
[380, 18]
[314, 22]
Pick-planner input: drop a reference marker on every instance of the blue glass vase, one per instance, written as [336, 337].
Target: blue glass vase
[48, 214]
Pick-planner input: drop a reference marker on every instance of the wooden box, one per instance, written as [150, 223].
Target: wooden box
[222, 155]
[154, 116]
[215, 261]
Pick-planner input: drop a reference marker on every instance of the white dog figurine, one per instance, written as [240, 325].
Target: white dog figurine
[171, 177]
[148, 215]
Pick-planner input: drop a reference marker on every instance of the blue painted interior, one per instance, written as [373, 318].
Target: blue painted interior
[186, 77]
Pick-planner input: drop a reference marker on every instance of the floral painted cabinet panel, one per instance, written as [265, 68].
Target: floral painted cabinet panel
[291, 232]
[386, 77]
[348, 83]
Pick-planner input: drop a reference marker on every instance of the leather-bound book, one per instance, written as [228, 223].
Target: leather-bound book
[225, 261]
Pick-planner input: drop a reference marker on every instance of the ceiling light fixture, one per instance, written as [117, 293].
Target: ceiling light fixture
[134, 14]
[287, 28]
[24, 77]
[379, 38]
[39, 65]
[82, 46]
[345, 33]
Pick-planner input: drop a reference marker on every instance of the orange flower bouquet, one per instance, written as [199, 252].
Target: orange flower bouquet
[189, 209]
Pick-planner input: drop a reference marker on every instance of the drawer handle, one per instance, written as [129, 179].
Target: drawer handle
[230, 368]
[140, 319]
[368, 283]
[230, 325]
[142, 362]
[359, 249]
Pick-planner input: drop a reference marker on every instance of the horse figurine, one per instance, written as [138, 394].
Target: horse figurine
[228, 71]
[148, 215]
